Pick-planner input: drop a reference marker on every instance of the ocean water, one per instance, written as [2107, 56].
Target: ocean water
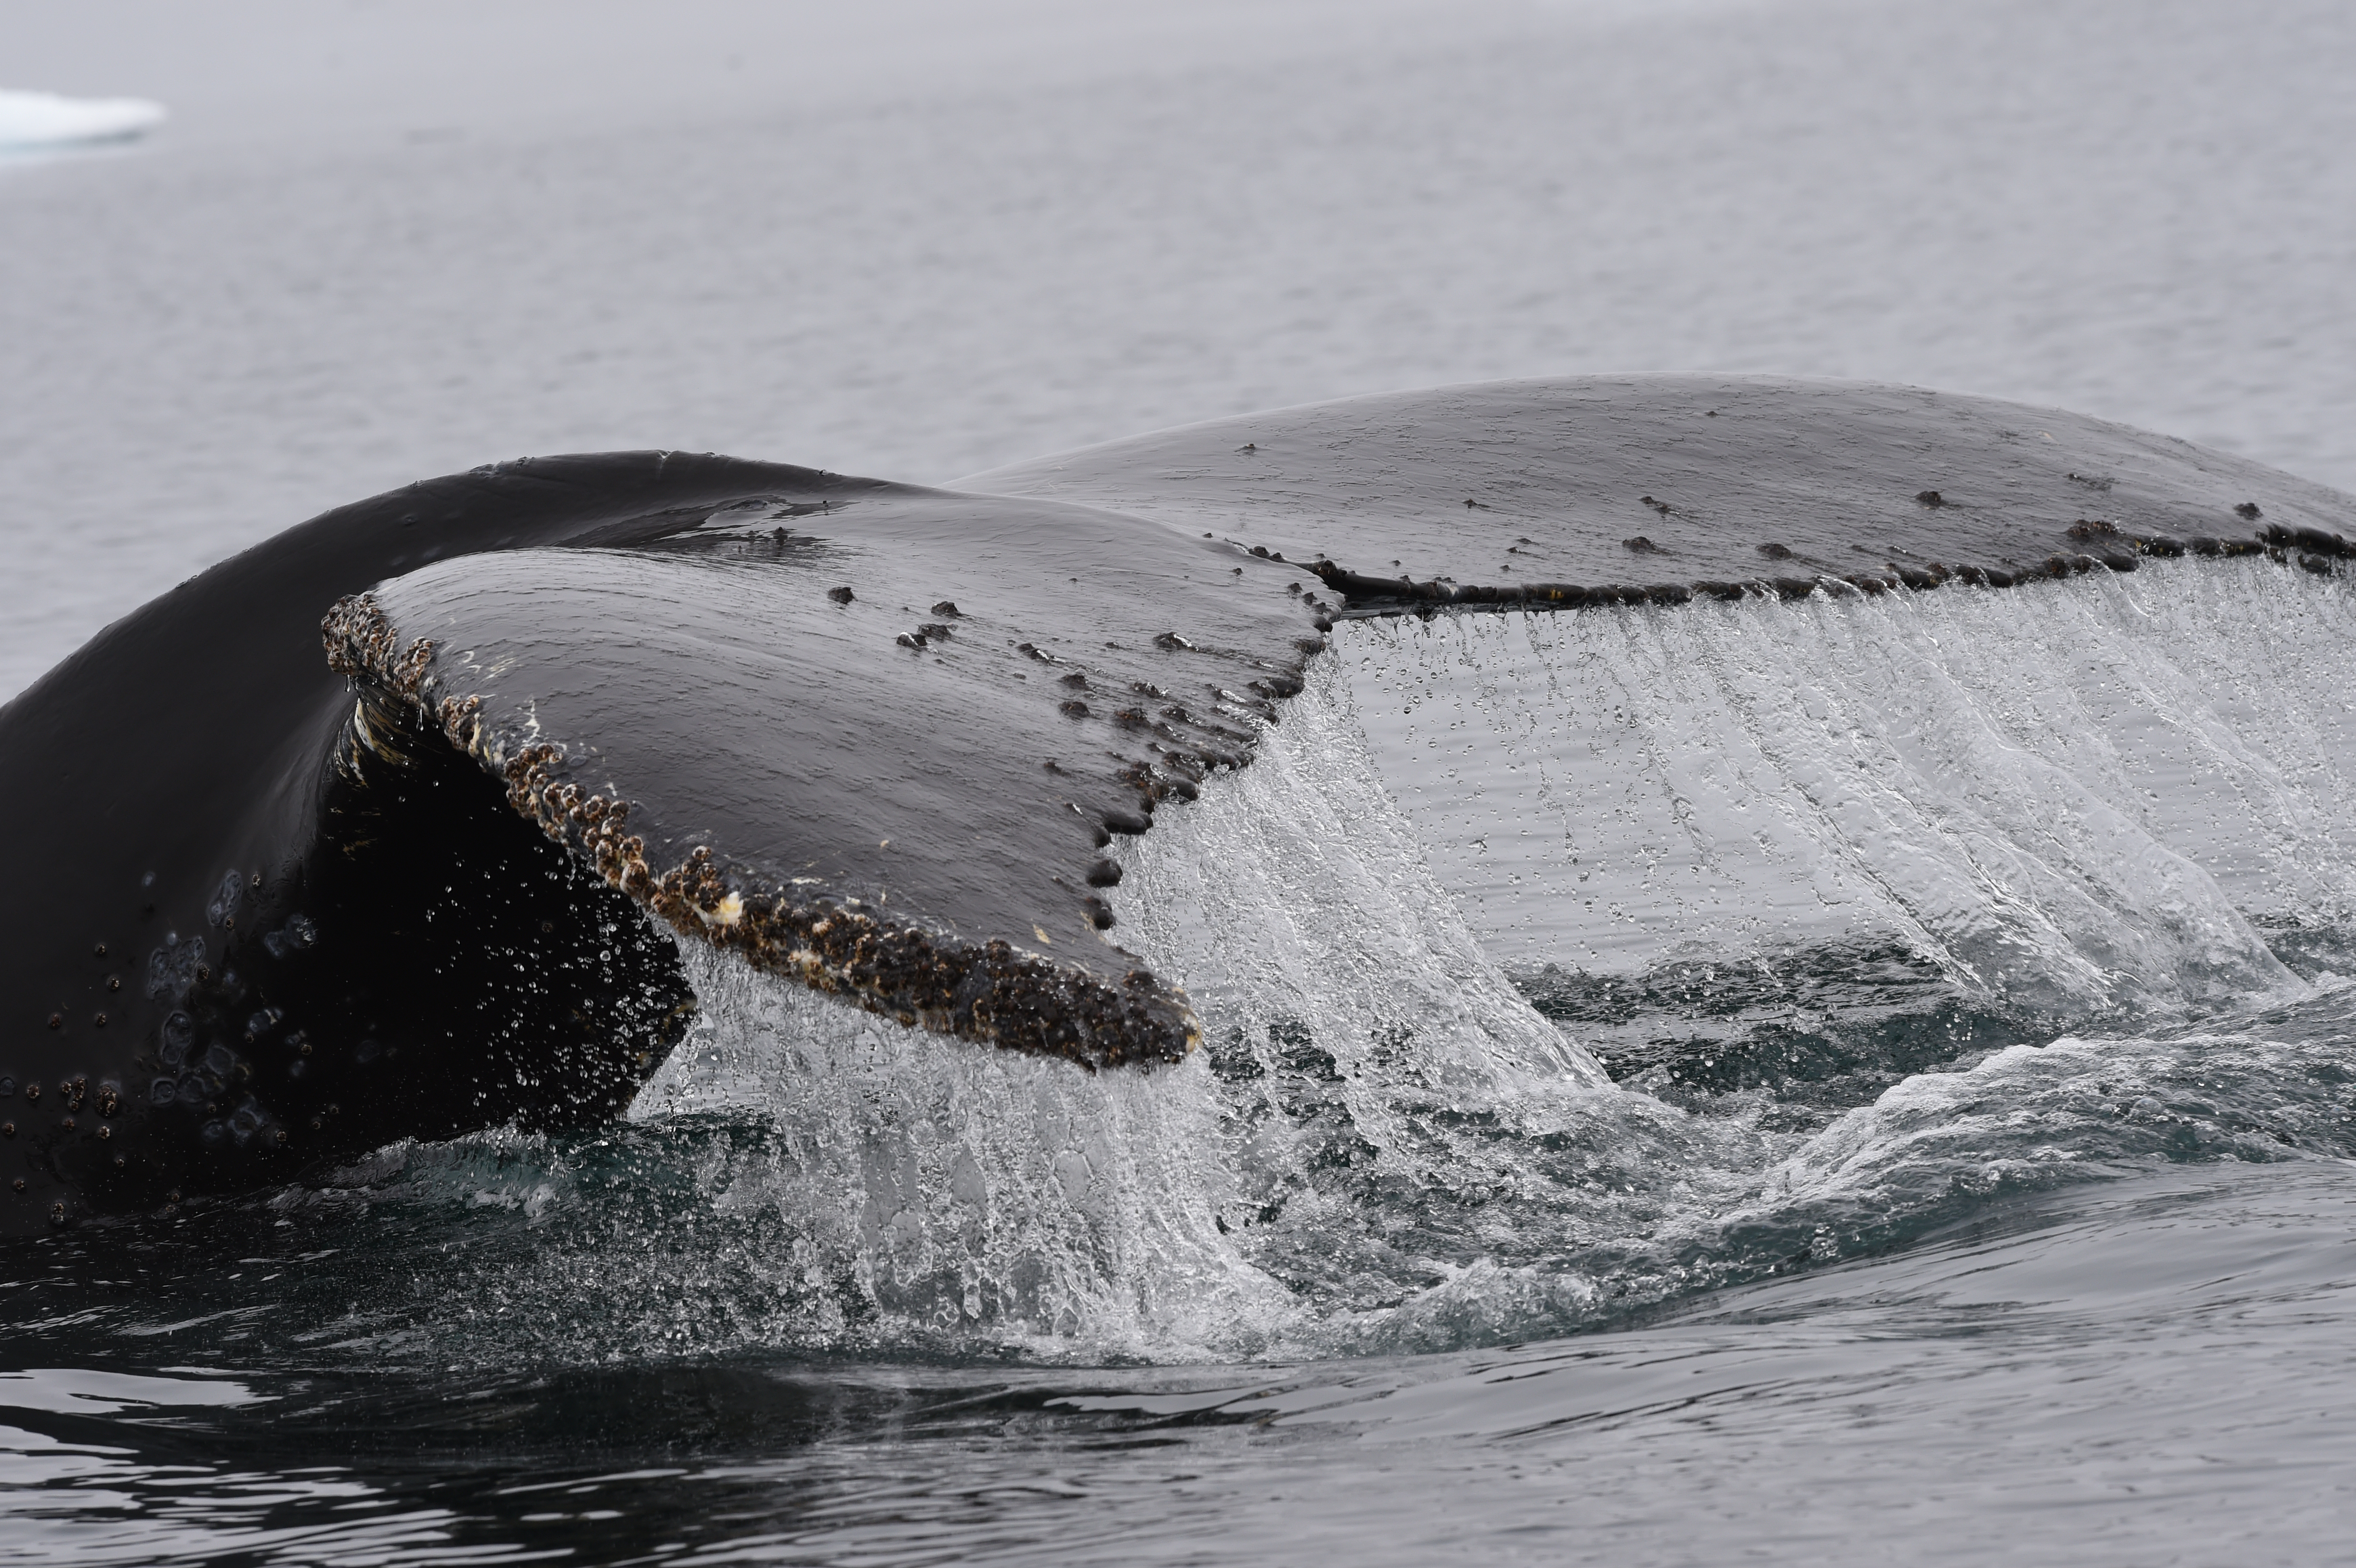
[1849, 1081]
[380, 242]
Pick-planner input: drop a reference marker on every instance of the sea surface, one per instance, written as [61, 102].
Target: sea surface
[1849, 1082]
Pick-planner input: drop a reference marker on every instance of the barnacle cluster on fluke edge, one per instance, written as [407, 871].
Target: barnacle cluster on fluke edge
[2112, 547]
[873, 738]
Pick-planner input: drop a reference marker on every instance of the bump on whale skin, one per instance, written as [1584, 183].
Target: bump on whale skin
[289, 902]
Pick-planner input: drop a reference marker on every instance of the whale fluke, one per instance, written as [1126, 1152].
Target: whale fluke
[355, 835]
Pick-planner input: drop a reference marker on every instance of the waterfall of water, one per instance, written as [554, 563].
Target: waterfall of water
[2076, 799]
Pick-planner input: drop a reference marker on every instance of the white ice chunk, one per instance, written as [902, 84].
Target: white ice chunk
[46, 120]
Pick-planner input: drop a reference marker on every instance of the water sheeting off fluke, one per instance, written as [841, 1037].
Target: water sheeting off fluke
[2078, 795]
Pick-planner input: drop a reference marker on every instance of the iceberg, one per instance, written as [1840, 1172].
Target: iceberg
[35, 120]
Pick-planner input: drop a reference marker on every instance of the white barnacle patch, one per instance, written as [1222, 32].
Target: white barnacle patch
[728, 912]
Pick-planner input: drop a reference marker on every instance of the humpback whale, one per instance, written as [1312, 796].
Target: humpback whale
[389, 827]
